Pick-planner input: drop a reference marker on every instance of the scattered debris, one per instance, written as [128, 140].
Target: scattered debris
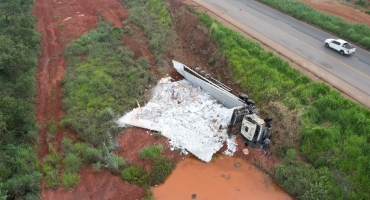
[245, 151]
[67, 18]
[191, 117]
[185, 114]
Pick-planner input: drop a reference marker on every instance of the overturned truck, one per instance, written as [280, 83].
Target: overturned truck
[245, 119]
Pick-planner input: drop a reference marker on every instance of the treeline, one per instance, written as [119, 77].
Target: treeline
[334, 134]
[19, 51]
[357, 33]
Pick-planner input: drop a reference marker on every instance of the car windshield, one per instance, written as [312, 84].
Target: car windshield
[348, 46]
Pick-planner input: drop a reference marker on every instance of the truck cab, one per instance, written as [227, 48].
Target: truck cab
[254, 129]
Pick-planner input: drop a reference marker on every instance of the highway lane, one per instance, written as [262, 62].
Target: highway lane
[304, 40]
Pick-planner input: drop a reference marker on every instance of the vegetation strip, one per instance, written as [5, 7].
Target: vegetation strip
[103, 81]
[334, 131]
[19, 50]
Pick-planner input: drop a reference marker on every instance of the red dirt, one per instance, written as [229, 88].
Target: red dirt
[192, 46]
[346, 12]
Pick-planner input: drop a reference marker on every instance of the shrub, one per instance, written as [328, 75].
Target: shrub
[96, 166]
[115, 163]
[151, 152]
[161, 169]
[144, 63]
[69, 180]
[72, 163]
[86, 153]
[67, 145]
[52, 179]
[135, 175]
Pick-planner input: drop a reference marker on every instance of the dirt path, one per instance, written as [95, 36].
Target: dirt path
[60, 22]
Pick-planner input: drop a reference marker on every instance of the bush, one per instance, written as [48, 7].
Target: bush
[69, 180]
[115, 163]
[72, 164]
[52, 179]
[161, 169]
[151, 152]
[135, 175]
[97, 166]
[86, 153]
[23, 185]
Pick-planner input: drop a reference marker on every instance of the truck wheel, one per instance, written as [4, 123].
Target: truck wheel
[326, 45]
[341, 52]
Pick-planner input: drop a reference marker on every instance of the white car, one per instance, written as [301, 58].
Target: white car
[342, 46]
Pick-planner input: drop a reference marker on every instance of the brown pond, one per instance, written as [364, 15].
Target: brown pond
[224, 178]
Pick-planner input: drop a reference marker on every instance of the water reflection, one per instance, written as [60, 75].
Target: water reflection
[224, 178]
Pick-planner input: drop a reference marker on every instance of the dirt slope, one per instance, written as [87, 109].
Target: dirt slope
[191, 46]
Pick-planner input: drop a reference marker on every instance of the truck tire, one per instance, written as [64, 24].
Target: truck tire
[326, 45]
[341, 52]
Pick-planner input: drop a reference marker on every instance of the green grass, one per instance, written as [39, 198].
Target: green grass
[70, 180]
[135, 175]
[153, 17]
[162, 168]
[151, 152]
[51, 168]
[107, 83]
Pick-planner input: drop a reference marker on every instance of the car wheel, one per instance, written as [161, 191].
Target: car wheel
[326, 45]
[341, 52]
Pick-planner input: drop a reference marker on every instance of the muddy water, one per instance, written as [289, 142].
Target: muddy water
[224, 178]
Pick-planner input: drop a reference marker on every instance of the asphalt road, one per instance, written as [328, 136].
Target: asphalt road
[301, 42]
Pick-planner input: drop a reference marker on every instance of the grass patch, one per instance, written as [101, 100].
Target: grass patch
[153, 17]
[70, 180]
[61, 26]
[107, 83]
[51, 168]
[163, 167]
[135, 175]
[157, 134]
[151, 152]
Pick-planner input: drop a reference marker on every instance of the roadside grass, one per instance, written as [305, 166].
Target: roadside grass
[357, 33]
[152, 16]
[333, 131]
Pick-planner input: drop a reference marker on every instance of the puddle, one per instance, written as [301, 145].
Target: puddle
[224, 178]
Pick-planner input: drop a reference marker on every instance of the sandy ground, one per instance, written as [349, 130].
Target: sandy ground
[60, 22]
